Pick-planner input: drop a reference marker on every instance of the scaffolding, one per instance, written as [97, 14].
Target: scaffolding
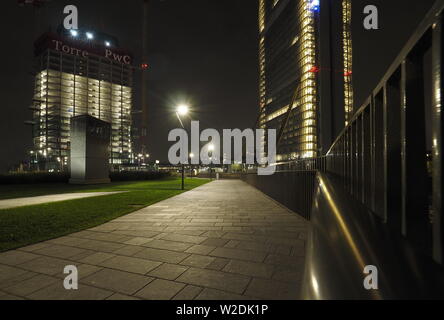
[70, 85]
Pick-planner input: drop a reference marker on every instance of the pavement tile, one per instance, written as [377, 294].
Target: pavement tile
[168, 271]
[215, 279]
[31, 285]
[16, 257]
[97, 258]
[56, 291]
[161, 255]
[130, 264]
[198, 261]
[12, 275]
[183, 238]
[240, 254]
[215, 242]
[218, 264]
[258, 270]
[213, 294]
[46, 265]
[118, 296]
[273, 290]
[200, 249]
[117, 281]
[168, 245]
[160, 290]
[188, 293]
[60, 251]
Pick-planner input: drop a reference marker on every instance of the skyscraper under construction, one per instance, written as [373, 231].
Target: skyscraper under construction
[80, 72]
[305, 61]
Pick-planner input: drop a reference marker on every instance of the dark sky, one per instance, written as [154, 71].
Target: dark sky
[201, 51]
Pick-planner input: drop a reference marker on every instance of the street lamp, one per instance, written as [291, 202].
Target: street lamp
[191, 156]
[182, 110]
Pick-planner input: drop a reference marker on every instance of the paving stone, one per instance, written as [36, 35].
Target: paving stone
[188, 293]
[215, 242]
[251, 269]
[176, 239]
[118, 296]
[213, 294]
[168, 245]
[161, 255]
[6, 296]
[137, 241]
[128, 250]
[56, 291]
[200, 249]
[238, 254]
[167, 271]
[183, 238]
[31, 285]
[34, 247]
[97, 258]
[12, 275]
[278, 259]
[16, 257]
[273, 290]
[130, 264]
[215, 279]
[59, 251]
[198, 261]
[117, 281]
[46, 265]
[160, 290]
[218, 264]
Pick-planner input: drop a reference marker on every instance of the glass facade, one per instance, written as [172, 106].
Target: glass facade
[70, 85]
[288, 75]
[292, 67]
[347, 58]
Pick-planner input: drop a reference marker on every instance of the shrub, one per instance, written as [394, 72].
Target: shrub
[63, 177]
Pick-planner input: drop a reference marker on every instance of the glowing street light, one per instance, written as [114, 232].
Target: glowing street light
[74, 33]
[182, 109]
[89, 35]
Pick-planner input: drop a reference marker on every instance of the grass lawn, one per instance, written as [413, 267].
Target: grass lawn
[26, 225]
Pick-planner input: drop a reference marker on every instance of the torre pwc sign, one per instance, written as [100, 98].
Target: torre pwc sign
[82, 49]
[107, 53]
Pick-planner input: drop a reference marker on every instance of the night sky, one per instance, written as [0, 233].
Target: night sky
[203, 52]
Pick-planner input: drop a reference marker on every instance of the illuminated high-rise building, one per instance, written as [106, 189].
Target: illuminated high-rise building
[80, 72]
[302, 73]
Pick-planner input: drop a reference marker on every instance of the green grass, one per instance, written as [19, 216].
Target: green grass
[26, 225]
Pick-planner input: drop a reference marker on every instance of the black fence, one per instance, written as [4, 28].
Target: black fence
[293, 189]
[389, 156]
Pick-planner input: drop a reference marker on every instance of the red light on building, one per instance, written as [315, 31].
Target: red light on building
[314, 69]
[144, 66]
[347, 73]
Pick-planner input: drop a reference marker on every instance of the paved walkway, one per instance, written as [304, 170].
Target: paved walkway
[223, 240]
[30, 201]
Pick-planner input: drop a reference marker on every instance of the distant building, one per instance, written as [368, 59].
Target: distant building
[305, 66]
[80, 72]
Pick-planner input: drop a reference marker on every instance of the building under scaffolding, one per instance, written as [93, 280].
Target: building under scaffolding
[80, 72]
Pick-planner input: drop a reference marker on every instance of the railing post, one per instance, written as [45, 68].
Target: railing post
[372, 151]
[437, 120]
[413, 150]
[385, 148]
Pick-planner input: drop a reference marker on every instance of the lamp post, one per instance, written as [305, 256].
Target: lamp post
[182, 110]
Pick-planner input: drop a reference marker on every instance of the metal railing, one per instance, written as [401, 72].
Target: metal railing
[389, 156]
